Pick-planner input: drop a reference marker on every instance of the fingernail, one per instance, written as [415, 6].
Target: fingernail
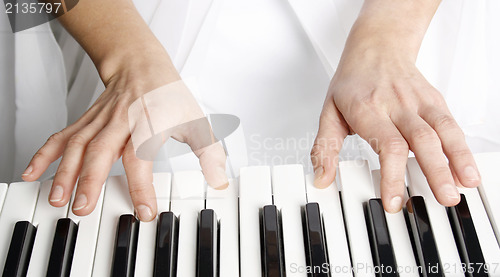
[80, 202]
[28, 171]
[471, 173]
[144, 213]
[57, 194]
[450, 191]
[395, 204]
[318, 173]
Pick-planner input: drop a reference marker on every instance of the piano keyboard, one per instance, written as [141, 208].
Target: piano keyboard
[270, 222]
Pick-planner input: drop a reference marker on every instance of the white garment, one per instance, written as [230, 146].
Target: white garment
[265, 61]
[33, 98]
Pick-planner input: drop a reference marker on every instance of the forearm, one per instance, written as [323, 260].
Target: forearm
[393, 27]
[115, 36]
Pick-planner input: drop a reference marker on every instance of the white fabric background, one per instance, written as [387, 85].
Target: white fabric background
[33, 94]
[265, 61]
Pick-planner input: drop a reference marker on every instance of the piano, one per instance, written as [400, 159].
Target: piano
[271, 221]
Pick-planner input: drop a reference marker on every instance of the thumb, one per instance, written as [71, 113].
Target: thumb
[198, 134]
[213, 164]
[324, 154]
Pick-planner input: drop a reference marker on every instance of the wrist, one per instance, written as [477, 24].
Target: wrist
[374, 39]
[142, 59]
[394, 29]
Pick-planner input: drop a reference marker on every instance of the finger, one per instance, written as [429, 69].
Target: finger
[52, 150]
[198, 134]
[425, 143]
[454, 146]
[47, 154]
[140, 181]
[389, 144]
[455, 178]
[325, 151]
[100, 155]
[213, 165]
[71, 163]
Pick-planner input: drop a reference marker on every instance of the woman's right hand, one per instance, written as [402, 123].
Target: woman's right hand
[91, 145]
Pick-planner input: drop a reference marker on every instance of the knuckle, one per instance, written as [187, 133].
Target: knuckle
[97, 145]
[373, 98]
[138, 188]
[437, 99]
[390, 183]
[213, 153]
[325, 147]
[324, 154]
[40, 155]
[56, 138]
[423, 135]
[316, 155]
[360, 106]
[461, 153]
[77, 140]
[433, 96]
[316, 150]
[440, 171]
[354, 106]
[87, 181]
[395, 146]
[445, 121]
[63, 172]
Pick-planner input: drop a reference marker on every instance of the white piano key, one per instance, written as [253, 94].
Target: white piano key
[86, 238]
[400, 238]
[45, 221]
[3, 192]
[19, 205]
[333, 222]
[490, 188]
[254, 193]
[144, 264]
[116, 202]
[485, 234]
[289, 193]
[356, 189]
[187, 200]
[163, 185]
[225, 204]
[443, 234]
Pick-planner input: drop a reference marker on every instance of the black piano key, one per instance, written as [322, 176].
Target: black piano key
[20, 249]
[382, 251]
[428, 255]
[273, 259]
[207, 244]
[466, 239]
[167, 236]
[125, 246]
[316, 254]
[63, 247]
